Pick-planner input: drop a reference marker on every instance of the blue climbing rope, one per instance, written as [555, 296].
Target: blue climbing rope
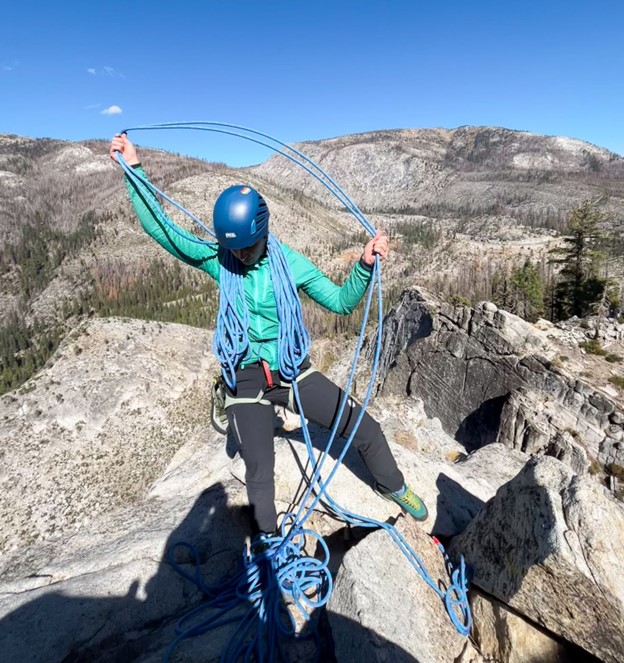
[281, 569]
[230, 339]
[253, 597]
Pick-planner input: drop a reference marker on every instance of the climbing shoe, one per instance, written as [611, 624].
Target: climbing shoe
[218, 417]
[408, 501]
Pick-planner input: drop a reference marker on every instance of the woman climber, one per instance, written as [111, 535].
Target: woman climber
[241, 224]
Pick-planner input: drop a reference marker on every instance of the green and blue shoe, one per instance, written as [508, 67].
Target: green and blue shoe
[408, 501]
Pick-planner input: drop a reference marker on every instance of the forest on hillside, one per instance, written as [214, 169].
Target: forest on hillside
[581, 278]
[60, 218]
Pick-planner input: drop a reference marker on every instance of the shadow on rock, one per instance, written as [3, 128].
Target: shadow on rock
[85, 624]
[481, 426]
[70, 627]
[456, 507]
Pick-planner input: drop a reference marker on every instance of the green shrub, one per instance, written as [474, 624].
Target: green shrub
[613, 359]
[615, 470]
[594, 467]
[593, 347]
[461, 300]
[617, 381]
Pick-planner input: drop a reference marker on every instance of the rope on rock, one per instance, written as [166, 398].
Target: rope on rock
[282, 570]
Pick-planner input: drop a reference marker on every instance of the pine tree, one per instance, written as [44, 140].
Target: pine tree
[578, 285]
[520, 292]
[501, 291]
[527, 292]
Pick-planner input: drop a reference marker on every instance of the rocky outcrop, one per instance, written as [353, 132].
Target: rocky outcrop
[488, 376]
[110, 459]
[576, 330]
[108, 592]
[114, 571]
[526, 425]
[100, 587]
[108, 413]
[547, 546]
[502, 635]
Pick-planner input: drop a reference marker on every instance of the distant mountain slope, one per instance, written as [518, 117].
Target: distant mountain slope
[64, 212]
[465, 171]
[71, 246]
[462, 206]
[52, 183]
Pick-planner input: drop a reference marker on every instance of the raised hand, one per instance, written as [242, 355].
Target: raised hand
[120, 143]
[376, 246]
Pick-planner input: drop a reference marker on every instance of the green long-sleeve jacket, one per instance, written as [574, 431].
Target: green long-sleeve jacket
[259, 295]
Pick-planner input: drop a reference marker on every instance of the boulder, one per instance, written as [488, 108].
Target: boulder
[550, 544]
[402, 618]
[503, 636]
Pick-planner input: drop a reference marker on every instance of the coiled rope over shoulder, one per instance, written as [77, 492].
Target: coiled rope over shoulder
[303, 581]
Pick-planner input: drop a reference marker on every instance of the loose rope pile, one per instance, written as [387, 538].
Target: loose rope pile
[255, 596]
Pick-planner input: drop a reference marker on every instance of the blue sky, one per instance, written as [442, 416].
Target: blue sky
[308, 70]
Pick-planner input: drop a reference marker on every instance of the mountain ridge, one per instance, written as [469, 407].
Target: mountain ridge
[397, 166]
[460, 206]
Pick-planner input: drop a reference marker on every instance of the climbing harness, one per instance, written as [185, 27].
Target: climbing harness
[218, 416]
[279, 578]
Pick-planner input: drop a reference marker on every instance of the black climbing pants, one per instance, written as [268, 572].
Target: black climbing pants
[252, 426]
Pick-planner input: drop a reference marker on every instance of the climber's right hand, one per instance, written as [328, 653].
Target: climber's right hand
[120, 143]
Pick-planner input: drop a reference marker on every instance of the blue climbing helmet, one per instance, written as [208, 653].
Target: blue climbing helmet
[240, 217]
